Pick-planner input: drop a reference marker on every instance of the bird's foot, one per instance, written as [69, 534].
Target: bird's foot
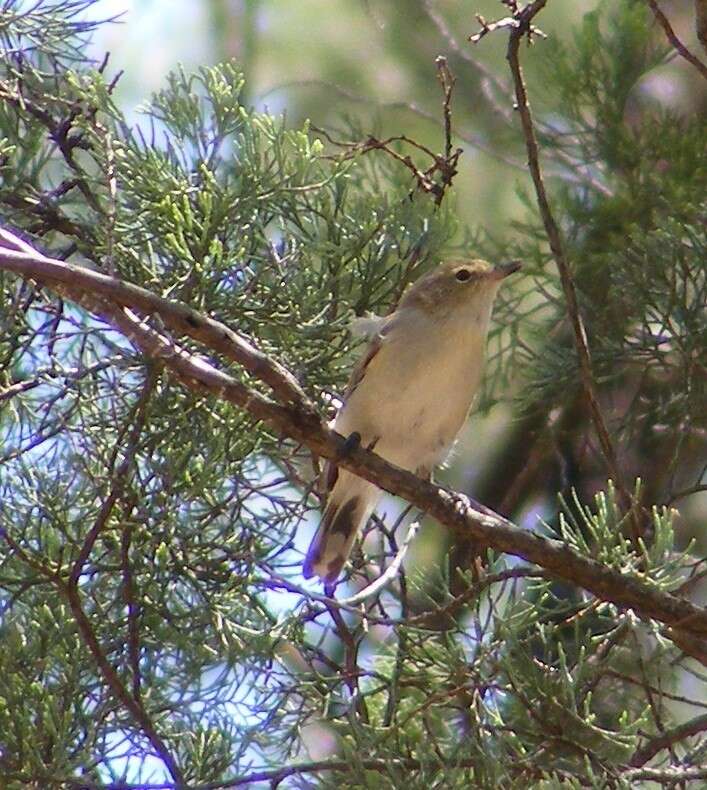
[351, 442]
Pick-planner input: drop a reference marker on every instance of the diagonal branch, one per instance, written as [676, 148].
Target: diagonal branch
[667, 738]
[177, 316]
[110, 296]
[672, 37]
[111, 678]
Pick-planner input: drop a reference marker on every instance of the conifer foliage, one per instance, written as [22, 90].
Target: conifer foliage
[157, 471]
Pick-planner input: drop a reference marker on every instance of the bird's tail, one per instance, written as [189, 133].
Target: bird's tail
[350, 504]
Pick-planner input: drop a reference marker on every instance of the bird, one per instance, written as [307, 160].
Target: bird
[409, 394]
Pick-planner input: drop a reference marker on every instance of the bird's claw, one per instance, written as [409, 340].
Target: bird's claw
[351, 443]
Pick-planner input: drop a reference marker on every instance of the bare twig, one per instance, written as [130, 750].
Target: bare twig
[446, 80]
[513, 23]
[46, 374]
[48, 216]
[574, 172]
[390, 572]
[667, 739]
[668, 776]
[426, 181]
[451, 609]
[438, 177]
[111, 678]
[520, 25]
[653, 706]
[351, 671]
[443, 29]
[672, 37]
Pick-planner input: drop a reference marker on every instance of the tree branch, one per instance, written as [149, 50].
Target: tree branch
[666, 739]
[111, 678]
[177, 316]
[672, 37]
[107, 672]
[520, 25]
[109, 297]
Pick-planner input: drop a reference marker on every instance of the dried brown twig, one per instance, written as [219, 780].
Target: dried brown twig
[519, 21]
[572, 172]
[438, 177]
[520, 25]
[446, 80]
[672, 37]
[488, 78]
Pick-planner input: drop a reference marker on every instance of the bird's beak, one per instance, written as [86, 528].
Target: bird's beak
[504, 269]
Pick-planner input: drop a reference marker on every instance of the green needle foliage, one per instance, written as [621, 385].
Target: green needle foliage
[154, 626]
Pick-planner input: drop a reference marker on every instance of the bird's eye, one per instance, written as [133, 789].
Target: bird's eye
[463, 275]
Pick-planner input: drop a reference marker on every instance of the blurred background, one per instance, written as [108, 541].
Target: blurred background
[325, 60]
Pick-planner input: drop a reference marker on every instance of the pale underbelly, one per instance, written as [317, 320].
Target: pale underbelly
[414, 424]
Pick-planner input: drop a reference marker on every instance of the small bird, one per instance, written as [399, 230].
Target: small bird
[409, 394]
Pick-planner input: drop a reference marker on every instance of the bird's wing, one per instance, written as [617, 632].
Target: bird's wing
[377, 329]
[368, 325]
[359, 370]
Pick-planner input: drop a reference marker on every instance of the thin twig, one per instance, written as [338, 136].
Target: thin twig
[672, 37]
[486, 74]
[111, 678]
[438, 177]
[390, 572]
[521, 27]
[446, 80]
[574, 172]
[446, 167]
[351, 671]
[107, 671]
[668, 738]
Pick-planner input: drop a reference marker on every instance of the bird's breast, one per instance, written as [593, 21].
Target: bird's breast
[414, 396]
